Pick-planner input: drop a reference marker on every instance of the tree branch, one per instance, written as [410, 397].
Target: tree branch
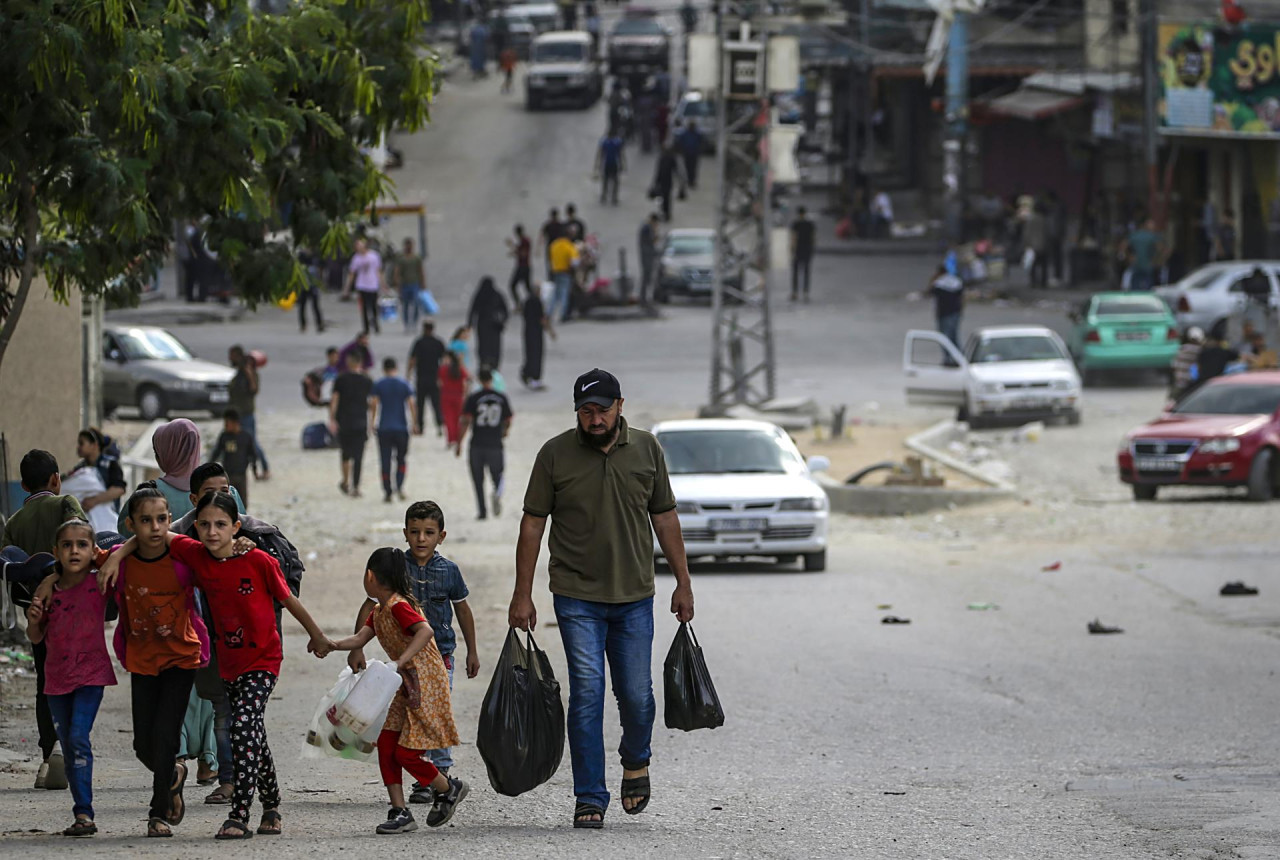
[30, 235]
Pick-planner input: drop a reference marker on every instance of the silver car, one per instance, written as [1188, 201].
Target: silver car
[147, 367]
[687, 264]
[1215, 293]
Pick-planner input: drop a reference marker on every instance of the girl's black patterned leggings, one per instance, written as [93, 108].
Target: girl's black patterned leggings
[253, 765]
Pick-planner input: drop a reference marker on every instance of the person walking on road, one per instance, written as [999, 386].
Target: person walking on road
[665, 174]
[309, 294]
[1035, 234]
[689, 141]
[364, 274]
[454, 382]
[610, 162]
[393, 407]
[487, 318]
[349, 421]
[574, 227]
[536, 325]
[1144, 249]
[242, 397]
[411, 279]
[650, 241]
[802, 232]
[424, 368]
[948, 304]
[487, 414]
[553, 228]
[564, 259]
[519, 248]
[605, 488]
[359, 345]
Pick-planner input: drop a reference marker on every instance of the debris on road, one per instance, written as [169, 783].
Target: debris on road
[893, 619]
[1096, 626]
[1238, 589]
[1049, 568]
[983, 607]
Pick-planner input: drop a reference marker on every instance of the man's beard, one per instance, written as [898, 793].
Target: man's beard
[602, 440]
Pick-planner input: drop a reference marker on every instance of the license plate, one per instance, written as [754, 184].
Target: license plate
[1133, 335]
[1156, 464]
[219, 396]
[738, 525]
[1030, 403]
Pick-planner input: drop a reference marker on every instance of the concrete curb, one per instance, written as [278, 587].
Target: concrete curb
[161, 313]
[902, 501]
[927, 443]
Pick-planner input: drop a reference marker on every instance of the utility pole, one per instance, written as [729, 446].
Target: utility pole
[869, 92]
[1150, 96]
[742, 360]
[957, 118]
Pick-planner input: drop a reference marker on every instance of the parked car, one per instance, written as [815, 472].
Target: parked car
[147, 367]
[1116, 331]
[1215, 293]
[742, 489]
[544, 17]
[1005, 373]
[686, 265]
[1226, 433]
[639, 44]
[521, 32]
[699, 110]
[562, 67]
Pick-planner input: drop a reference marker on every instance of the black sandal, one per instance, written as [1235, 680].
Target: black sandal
[81, 827]
[270, 818]
[158, 827]
[177, 805]
[584, 809]
[239, 830]
[636, 787]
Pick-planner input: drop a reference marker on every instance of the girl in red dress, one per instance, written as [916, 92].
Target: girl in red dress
[454, 382]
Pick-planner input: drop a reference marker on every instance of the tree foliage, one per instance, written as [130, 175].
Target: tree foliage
[124, 116]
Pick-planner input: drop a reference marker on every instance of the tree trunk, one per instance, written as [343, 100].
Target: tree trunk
[30, 233]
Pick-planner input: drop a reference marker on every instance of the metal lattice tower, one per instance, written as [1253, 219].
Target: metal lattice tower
[742, 360]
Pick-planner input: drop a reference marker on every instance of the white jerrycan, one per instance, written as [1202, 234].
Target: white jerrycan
[368, 699]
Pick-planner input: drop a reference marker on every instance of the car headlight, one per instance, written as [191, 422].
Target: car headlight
[1221, 446]
[535, 80]
[1124, 446]
[577, 80]
[1062, 385]
[993, 388]
[809, 504]
[686, 507]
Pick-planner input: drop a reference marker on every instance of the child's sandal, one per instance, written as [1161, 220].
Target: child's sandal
[232, 829]
[158, 827]
[271, 823]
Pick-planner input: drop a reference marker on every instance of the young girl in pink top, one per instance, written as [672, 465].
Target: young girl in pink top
[70, 623]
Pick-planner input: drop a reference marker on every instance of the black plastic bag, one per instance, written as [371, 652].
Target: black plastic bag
[691, 700]
[521, 734]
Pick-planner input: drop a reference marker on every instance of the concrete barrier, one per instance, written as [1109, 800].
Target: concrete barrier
[903, 501]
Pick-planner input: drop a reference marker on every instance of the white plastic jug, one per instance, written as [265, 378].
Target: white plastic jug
[368, 700]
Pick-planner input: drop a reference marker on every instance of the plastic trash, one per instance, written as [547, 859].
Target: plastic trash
[982, 607]
[691, 699]
[521, 732]
[374, 689]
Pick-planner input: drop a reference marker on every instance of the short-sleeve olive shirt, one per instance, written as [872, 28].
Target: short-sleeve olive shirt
[601, 538]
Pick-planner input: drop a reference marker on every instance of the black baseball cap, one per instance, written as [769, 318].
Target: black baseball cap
[596, 386]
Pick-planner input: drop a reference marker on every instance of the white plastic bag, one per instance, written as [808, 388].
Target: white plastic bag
[328, 733]
[1028, 258]
[83, 483]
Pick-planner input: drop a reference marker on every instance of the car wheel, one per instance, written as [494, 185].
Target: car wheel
[1145, 492]
[815, 562]
[151, 403]
[1262, 476]
[1073, 418]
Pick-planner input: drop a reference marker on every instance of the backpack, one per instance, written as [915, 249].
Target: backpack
[285, 553]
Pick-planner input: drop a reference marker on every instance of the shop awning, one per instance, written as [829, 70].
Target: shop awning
[1030, 104]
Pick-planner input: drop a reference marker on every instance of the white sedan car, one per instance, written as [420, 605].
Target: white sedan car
[1215, 293]
[742, 489]
[1006, 373]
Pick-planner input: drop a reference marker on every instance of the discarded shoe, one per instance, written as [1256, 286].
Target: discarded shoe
[893, 619]
[982, 607]
[1238, 589]
[1096, 626]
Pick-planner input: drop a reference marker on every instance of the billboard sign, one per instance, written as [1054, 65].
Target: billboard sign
[1216, 82]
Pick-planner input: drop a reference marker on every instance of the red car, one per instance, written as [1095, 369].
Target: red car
[1226, 433]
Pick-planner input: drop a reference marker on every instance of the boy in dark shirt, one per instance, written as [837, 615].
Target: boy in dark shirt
[349, 420]
[235, 450]
[487, 414]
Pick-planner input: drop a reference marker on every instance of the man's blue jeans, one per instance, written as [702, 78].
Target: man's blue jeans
[560, 299]
[249, 423]
[73, 716]
[624, 633]
[949, 327]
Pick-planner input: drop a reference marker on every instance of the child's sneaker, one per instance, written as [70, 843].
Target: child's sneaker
[398, 821]
[423, 793]
[56, 778]
[447, 803]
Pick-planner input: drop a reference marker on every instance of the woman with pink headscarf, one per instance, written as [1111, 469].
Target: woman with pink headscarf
[178, 452]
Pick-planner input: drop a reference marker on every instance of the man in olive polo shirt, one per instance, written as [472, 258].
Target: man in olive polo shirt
[605, 487]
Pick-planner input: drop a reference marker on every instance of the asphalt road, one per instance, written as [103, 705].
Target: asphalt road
[1002, 733]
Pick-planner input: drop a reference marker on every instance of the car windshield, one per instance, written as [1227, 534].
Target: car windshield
[690, 246]
[1023, 347]
[1130, 306]
[1231, 399]
[728, 452]
[699, 108]
[559, 52]
[140, 344]
[638, 27]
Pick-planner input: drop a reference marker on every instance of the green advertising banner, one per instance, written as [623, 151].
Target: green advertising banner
[1217, 82]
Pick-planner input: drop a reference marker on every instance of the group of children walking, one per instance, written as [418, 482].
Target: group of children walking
[155, 580]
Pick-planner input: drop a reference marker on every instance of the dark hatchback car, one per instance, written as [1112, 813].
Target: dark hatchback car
[1226, 433]
[639, 44]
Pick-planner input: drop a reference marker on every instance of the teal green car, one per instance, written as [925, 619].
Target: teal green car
[1123, 331]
